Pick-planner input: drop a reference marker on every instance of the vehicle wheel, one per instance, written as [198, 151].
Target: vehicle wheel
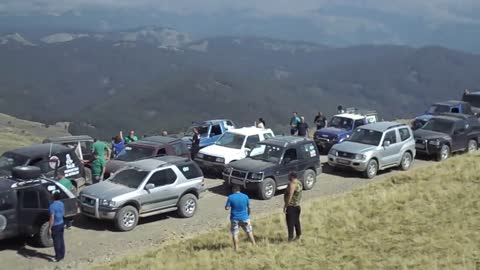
[406, 161]
[267, 189]
[372, 169]
[42, 238]
[309, 179]
[88, 176]
[444, 153]
[472, 146]
[187, 206]
[126, 219]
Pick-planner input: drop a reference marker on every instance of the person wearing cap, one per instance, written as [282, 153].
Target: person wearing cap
[56, 226]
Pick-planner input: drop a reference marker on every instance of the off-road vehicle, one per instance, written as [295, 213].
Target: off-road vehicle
[81, 143]
[341, 126]
[209, 131]
[445, 134]
[266, 168]
[450, 106]
[149, 147]
[145, 188]
[24, 201]
[233, 145]
[375, 147]
[48, 157]
[474, 99]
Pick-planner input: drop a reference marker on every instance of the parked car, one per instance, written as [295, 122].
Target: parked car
[24, 201]
[375, 147]
[266, 168]
[82, 144]
[50, 158]
[474, 99]
[209, 131]
[451, 106]
[445, 134]
[145, 188]
[341, 126]
[233, 145]
[155, 146]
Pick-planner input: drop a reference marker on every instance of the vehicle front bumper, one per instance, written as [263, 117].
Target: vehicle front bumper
[97, 211]
[427, 149]
[355, 164]
[244, 181]
[324, 144]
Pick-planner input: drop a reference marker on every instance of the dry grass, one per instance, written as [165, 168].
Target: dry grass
[16, 133]
[426, 219]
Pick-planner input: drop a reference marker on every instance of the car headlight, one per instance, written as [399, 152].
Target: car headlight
[108, 203]
[435, 142]
[256, 176]
[199, 155]
[359, 157]
[220, 160]
[333, 152]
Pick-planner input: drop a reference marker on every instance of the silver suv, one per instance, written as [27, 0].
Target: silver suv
[375, 147]
[145, 188]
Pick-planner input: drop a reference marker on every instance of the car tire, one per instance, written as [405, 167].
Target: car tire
[187, 206]
[126, 218]
[372, 169]
[472, 146]
[43, 238]
[444, 153]
[309, 179]
[406, 161]
[267, 189]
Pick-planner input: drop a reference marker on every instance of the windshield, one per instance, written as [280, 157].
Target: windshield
[130, 177]
[10, 160]
[231, 140]
[366, 136]
[341, 122]
[266, 152]
[202, 130]
[135, 153]
[437, 109]
[439, 126]
[6, 200]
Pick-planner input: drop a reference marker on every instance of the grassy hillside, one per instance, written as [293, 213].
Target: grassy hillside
[16, 133]
[424, 219]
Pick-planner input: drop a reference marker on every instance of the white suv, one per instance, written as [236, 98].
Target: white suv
[233, 145]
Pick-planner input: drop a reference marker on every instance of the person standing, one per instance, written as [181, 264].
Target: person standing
[118, 145]
[195, 143]
[292, 210]
[68, 185]
[320, 121]
[260, 123]
[302, 128]
[98, 169]
[131, 137]
[239, 206]
[294, 123]
[100, 148]
[56, 226]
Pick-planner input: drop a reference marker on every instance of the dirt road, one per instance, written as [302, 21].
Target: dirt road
[93, 241]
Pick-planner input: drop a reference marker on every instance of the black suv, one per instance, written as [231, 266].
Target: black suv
[448, 133]
[24, 201]
[48, 157]
[266, 168]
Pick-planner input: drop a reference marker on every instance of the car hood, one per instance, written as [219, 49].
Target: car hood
[251, 165]
[114, 165]
[423, 134]
[220, 151]
[331, 132]
[424, 117]
[106, 190]
[353, 147]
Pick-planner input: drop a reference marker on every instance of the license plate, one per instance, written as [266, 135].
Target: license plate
[343, 161]
[420, 146]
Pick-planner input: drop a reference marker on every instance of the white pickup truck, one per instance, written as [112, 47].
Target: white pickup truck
[233, 145]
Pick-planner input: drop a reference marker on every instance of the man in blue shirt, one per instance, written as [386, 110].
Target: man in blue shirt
[239, 206]
[57, 211]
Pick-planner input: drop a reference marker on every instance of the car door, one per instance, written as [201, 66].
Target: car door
[288, 163]
[33, 209]
[70, 203]
[250, 143]
[389, 154]
[308, 155]
[459, 137]
[162, 194]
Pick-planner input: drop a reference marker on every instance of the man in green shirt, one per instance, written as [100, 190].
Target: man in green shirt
[65, 182]
[98, 168]
[99, 148]
[131, 137]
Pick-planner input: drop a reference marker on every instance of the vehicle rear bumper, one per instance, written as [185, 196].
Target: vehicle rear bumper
[357, 165]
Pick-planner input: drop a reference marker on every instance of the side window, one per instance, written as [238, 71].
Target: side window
[267, 135]
[359, 122]
[163, 178]
[42, 164]
[161, 152]
[30, 199]
[455, 110]
[216, 130]
[190, 170]
[290, 154]
[391, 136]
[308, 151]
[252, 141]
[229, 123]
[404, 134]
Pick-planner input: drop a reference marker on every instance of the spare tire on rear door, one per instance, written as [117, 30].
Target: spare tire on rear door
[26, 172]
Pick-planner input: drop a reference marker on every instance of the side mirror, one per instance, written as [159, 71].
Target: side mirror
[149, 186]
[386, 143]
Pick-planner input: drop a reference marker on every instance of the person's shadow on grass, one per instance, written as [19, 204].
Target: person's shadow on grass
[30, 253]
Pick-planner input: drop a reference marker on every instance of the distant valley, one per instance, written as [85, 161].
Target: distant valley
[154, 79]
